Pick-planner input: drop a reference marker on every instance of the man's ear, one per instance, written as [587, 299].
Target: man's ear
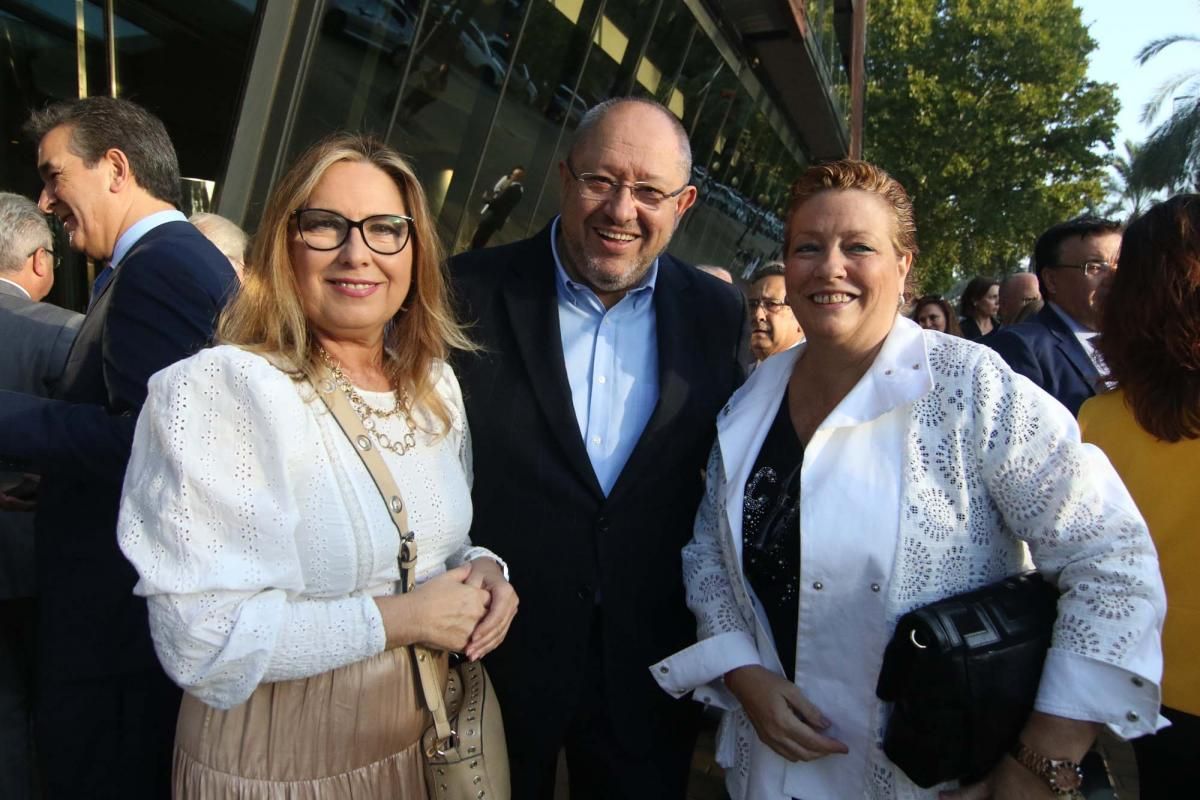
[43, 262]
[120, 175]
[1049, 283]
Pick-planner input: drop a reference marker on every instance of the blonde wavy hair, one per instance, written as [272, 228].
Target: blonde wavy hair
[267, 316]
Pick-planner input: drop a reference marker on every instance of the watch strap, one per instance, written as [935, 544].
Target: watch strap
[1064, 777]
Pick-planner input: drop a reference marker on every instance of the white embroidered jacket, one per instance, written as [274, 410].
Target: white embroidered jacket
[940, 472]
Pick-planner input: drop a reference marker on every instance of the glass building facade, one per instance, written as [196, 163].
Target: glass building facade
[468, 89]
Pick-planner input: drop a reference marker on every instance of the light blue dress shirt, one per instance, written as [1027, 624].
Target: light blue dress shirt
[611, 357]
[139, 229]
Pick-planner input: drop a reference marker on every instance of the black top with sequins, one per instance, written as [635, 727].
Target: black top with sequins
[771, 532]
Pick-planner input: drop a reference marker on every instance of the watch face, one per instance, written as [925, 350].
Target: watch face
[1065, 776]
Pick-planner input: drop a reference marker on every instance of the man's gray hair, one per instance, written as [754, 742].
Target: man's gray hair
[23, 229]
[599, 111]
[224, 233]
[767, 270]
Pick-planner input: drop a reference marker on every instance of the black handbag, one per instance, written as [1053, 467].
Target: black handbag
[963, 674]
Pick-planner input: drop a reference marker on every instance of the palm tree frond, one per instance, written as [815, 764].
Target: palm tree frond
[1170, 156]
[1165, 92]
[1158, 45]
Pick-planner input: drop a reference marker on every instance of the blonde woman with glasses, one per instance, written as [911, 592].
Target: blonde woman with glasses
[264, 548]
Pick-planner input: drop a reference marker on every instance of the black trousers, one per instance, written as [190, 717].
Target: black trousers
[601, 763]
[107, 738]
[489, 224]
[18, 620]
[1166, 760]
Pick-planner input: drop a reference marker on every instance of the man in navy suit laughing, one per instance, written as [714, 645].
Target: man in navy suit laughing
[105, 711]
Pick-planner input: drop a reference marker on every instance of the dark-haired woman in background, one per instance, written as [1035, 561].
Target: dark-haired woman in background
[1150, 430]
[979, 304]
[933, 313]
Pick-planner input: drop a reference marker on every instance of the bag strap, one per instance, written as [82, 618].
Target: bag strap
[339, 406]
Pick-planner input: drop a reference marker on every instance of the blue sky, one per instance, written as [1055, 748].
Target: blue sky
[1121, 28]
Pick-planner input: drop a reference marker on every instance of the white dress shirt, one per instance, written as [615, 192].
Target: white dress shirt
[935, 475]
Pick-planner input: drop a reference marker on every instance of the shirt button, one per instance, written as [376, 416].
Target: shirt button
[664, 669]
[874, 587]
[1138, 682]
[1132, 716]
[602, 379]
[595, 440]
[818, 585]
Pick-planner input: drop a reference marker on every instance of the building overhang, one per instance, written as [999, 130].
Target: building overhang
[776, 37]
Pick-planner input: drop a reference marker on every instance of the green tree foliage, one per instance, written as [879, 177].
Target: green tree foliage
[982, 109]
[1170, 158]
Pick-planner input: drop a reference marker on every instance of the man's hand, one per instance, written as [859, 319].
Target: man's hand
[21, 495]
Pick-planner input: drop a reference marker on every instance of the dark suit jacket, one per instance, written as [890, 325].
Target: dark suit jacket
[159, 307]
[1047, 352]
[37, 338]
[538, 503]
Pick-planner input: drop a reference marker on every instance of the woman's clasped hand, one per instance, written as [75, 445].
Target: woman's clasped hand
[782, 716]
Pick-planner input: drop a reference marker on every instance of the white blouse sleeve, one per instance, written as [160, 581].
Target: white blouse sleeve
[209, 517]
[460, 433]
[1066, 501]
[726, 637]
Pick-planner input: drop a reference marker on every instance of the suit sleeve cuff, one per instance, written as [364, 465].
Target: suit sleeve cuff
[702, 666]
[1082, 688]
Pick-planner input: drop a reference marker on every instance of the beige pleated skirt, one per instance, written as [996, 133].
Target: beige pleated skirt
[354, 732]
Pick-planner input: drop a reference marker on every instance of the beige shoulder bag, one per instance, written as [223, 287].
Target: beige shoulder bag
[466, 756]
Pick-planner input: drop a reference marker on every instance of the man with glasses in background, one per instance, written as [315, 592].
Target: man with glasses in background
[1074, 262]
[592, 406]
[773, 326]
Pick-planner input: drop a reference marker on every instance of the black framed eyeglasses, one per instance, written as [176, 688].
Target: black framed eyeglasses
[321, 229]
[601, 187]
[1091, 268]
[766, 304]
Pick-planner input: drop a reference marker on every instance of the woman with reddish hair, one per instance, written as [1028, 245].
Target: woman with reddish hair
[1150, 429]
[876, 468]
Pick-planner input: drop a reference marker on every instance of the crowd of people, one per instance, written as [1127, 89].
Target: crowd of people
[625, 480]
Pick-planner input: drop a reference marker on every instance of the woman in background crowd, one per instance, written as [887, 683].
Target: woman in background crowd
[876, 468]
[1150, 429]
[933, 313]
[263, 545]
[979, 304]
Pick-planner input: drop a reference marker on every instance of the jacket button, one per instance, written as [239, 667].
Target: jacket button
[602, 524]
[585, 592]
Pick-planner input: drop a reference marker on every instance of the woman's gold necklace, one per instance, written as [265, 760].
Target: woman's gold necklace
[368, 413]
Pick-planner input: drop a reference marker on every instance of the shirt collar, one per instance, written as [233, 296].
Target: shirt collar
[137, 230]
[1075, 327]
[572, 290]
[20, 288]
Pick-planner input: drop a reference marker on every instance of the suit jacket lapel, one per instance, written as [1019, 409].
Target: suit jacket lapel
[675, 370]
[532, 302]
[1070, 346]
